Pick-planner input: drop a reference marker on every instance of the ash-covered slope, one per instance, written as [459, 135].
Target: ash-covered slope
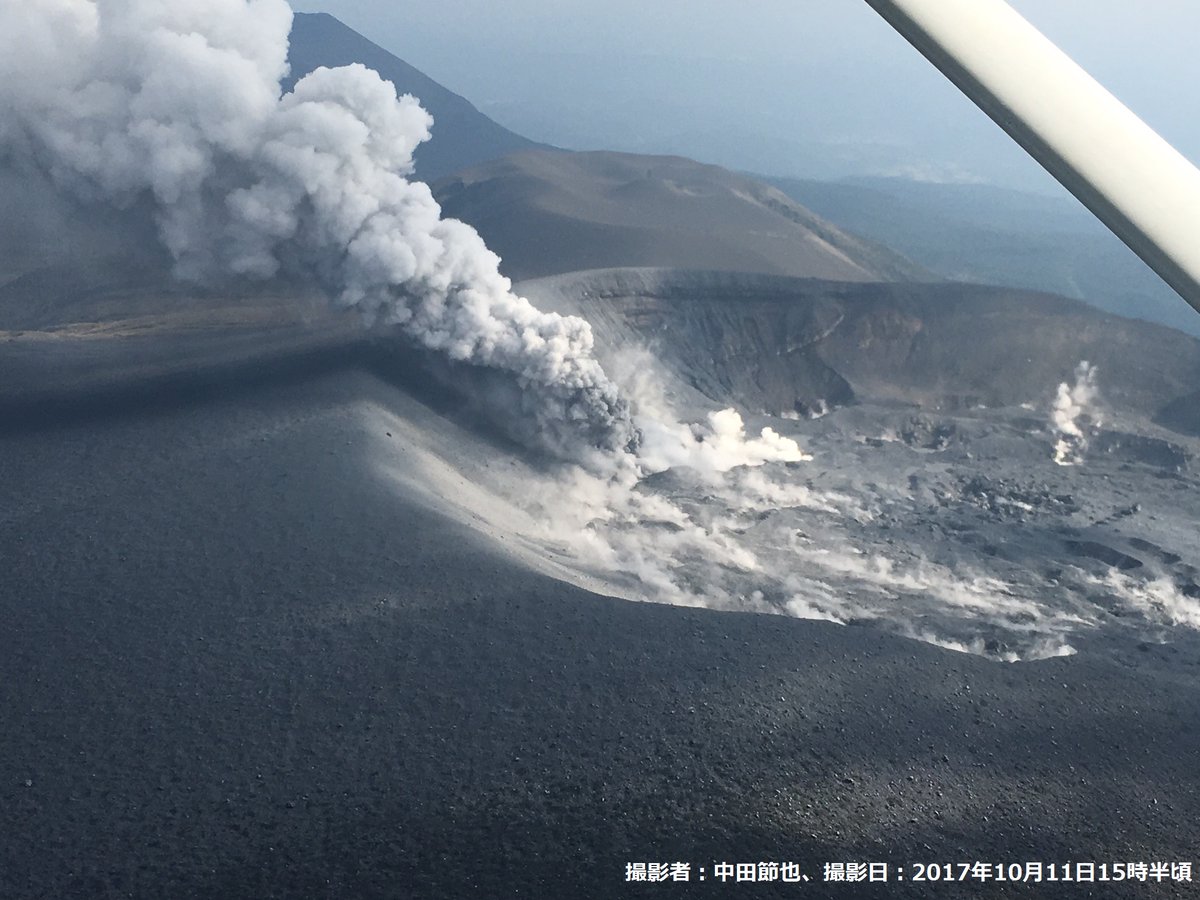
[462, 135]
[784, 344]
[286, 643]
[548, 212]
[265, 618]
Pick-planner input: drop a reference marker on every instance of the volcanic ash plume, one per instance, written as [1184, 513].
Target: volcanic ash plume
[1072, 415]
[124, 100]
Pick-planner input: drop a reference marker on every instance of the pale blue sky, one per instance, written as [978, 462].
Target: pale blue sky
[789, 87]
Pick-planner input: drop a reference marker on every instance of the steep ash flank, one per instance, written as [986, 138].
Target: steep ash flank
[785, 344]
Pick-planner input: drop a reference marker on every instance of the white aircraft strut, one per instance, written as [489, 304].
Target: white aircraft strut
[1136, 183]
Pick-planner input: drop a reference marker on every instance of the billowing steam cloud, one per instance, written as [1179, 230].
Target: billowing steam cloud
[1072, 415]
[120, 100]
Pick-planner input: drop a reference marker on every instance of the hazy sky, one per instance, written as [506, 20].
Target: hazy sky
[788, 87]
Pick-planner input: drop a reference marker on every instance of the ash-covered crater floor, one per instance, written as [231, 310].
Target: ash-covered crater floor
[961, 529]
[958, 529]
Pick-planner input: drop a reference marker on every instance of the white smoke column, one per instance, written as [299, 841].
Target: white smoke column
[1072, 414]
[714, 446]
[120, 100]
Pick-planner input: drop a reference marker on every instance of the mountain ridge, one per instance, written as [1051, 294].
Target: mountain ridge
[548, 212]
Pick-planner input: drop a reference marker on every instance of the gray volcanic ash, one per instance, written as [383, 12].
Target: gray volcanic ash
[239, 664]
